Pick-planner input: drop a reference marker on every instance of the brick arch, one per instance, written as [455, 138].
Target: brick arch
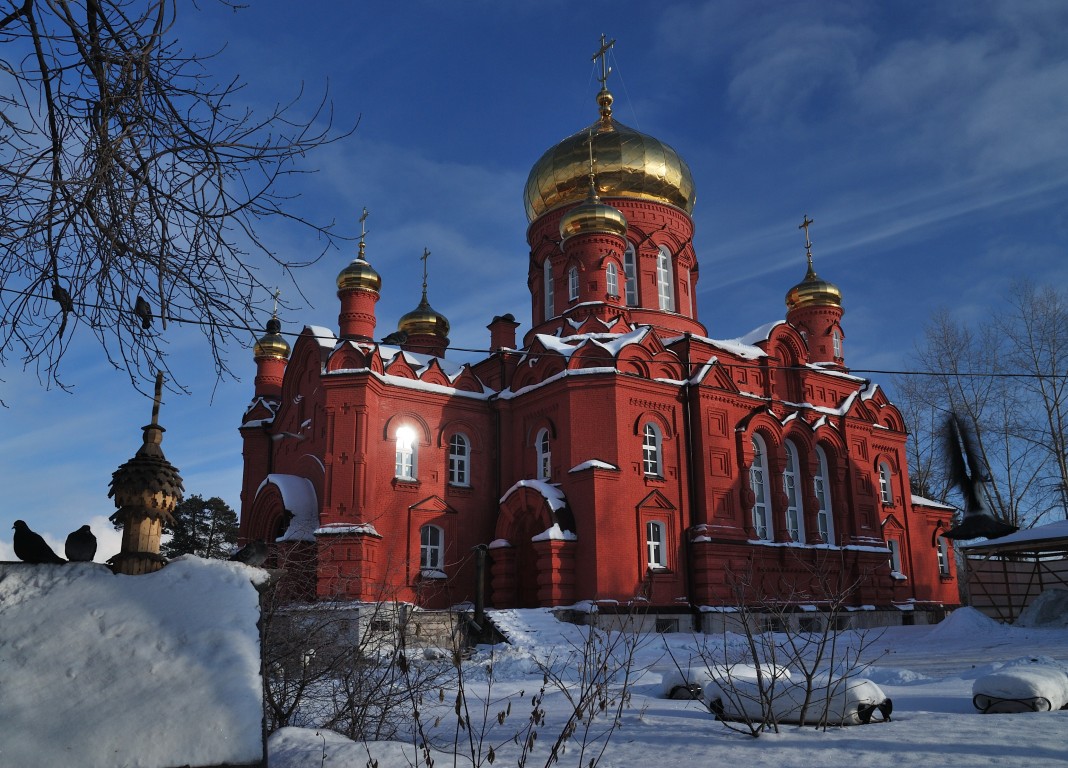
[667, 432]
[389, 429]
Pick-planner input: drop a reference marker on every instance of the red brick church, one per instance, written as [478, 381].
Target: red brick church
[615, 453]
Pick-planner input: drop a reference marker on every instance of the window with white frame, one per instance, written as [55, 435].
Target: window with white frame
[573, 284]
[655, 544]
[611, 279]
[823, 498]
[630, 272]
[431, 548]
[943, 556]
[795, 522]
[886, 490]
[651, 450]
[406, 453]
[836, 340]
[459, 455]
[758, 475]
[550, 310]
[544, 455]
[665, 284]
[895, 554]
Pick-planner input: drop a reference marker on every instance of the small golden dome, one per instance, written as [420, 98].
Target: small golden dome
[813, 292]
[593, 216]
[424, 320]
[630, 164]
[359, 274]
[272, 344]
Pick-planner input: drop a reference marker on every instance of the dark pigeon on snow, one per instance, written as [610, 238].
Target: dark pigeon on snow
[31, 548]
[254, 553]
[81, 545]
[968, 472]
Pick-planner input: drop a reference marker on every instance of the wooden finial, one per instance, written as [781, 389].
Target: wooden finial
[158, 397]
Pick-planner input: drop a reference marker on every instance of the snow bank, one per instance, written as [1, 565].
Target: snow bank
[1049, 609]
[99, 670]
[846, 702]
[963, 623]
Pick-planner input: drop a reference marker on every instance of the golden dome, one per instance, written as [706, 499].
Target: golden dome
[272, 344]
[593, 216]
[813, 292]
[424, 320]
[359, 274]
[629, 164]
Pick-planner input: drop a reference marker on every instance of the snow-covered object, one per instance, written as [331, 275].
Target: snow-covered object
[1025, 685]
[153, 671]
[850, 701]
[1049, 609]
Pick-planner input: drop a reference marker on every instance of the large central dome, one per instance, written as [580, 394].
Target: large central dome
[628, 163]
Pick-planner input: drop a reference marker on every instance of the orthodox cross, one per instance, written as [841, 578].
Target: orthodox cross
[424, 257]
[602, 54]
[806, 222]
[363, 230]
[277, 293]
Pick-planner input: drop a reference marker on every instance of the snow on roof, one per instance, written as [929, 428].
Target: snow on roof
[100, 670]
[420, 361]
[1030, 538]
[555, 533]
[760, 333]
[335, 529]
[325, 337]
[298, 497]
[553, 495]
[735, 347]
[592, 464]
[923, 501]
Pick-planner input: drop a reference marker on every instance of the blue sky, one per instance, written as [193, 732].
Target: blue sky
[926, 140]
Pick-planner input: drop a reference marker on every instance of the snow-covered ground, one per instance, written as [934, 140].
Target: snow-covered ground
[928, 671]
[102, 670]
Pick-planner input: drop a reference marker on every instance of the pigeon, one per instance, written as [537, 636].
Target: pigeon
[81, 545]
[968, 472]
[397, 337]
[143, 311]
[31, 548]
[254, 553]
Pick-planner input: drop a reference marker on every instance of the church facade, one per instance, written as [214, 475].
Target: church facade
[614, 454]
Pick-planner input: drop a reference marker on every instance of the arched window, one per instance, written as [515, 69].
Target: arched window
[758, 475]
[836, 341]
[795, 521]
[894, 561]
[655, 545]
[431, 548]
[651, 444]
[630, 272]
[550, 310]
[823, 497]
[665, 283]
[573, 284]
[943, 556]
[459, 453]
[541, 444]
[611, 279]
[406, 453]
[886, 490]
[689, 294]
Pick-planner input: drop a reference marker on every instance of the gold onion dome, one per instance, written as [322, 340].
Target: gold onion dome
[271, 344]
[424, 320]
[813, 292]
[593, 216]
[359, 274]
[630, 164]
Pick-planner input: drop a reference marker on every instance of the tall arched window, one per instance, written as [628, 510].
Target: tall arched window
[406, 453]
[459, 453]
[665, 283]
[544, 455]
[573, 284]
[758, 475]
[836, 342]
[795, 522]
[655, 545]
[547, 270]
[823, 497]
[630, 272]
[943, 556]
[651, 451]
[611, 279]
[431, 548]
[886, 489]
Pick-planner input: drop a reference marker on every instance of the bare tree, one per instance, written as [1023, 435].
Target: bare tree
[132, 187]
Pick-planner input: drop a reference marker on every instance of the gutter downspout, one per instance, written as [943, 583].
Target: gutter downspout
[691, 484]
